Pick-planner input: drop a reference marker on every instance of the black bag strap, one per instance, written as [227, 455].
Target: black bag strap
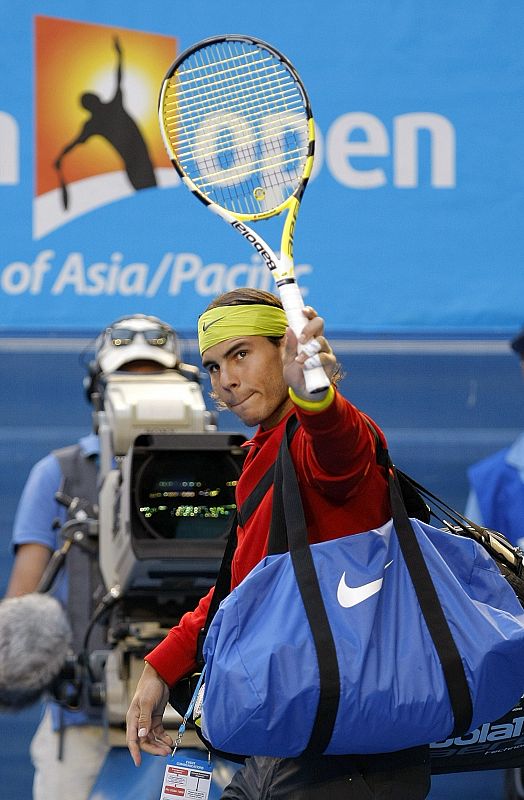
[447, 651]
[222, 586]
[241, 516]
[399, 486]
[423, 504]
[252, 502]
[288, 506]
[412, 498]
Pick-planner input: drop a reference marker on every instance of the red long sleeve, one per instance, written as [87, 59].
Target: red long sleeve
[343, 490]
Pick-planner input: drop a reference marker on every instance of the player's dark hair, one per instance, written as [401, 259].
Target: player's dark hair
[249, 296]
[245, 296]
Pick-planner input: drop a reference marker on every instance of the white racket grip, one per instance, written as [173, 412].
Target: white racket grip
[316, 379]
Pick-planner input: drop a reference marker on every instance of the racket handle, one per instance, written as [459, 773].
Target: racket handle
[316, 379]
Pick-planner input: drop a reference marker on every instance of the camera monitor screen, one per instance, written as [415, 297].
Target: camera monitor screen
[166, 516]
[182, 491]
[184, 494]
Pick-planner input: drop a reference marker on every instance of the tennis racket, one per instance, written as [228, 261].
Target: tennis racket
[237, 125]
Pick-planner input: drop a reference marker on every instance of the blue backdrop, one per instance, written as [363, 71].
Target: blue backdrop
[412, 221]
[411, 225]
[442, 404]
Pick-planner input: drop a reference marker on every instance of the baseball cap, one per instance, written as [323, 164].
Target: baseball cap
[136, 338]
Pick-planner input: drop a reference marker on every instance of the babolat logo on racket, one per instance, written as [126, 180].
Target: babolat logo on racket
[252, 239]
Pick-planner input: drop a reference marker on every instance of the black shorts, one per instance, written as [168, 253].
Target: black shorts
[394, 776]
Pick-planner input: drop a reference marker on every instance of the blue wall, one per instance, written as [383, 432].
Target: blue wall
[442, 403]
[411, 226]
[413, 212]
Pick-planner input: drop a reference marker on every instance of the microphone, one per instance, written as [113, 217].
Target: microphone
[35, 641]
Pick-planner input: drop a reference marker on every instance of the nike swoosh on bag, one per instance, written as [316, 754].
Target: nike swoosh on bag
[349, 596]
[207, 325]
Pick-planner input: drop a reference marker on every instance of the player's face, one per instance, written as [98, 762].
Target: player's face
[247, 376]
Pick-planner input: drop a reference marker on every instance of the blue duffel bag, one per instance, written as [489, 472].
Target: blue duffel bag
[371, 643]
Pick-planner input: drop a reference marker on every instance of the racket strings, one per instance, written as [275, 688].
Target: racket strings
[273, 99]
[279, 123]
[245, 106]
[237, 123]
[193, 86]
[172, 115]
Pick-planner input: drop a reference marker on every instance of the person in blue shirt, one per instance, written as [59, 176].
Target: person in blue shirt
[496, 500]
[496, 496]
[69, 747]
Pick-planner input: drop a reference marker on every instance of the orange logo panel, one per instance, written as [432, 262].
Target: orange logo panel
[96, 102]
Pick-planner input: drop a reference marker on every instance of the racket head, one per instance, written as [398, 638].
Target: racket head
[237, 125]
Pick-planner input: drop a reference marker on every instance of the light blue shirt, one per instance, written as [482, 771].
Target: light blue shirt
[505, 466]
[36, 514]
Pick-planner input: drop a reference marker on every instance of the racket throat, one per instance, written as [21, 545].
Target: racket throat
[257, 243]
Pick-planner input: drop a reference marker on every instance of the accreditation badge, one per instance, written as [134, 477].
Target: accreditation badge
[187, 778]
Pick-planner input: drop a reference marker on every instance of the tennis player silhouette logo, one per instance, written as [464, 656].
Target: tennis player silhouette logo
[112, 122]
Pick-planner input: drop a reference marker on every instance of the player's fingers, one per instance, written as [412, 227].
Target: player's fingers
[317, 345]
[312, 329]
[290, 345]
[155, 741]
[325, 347]
[312, 347]
[158, 743]
[312, 362]
[161, 736]
[138, 728]
[134, 751]
[132, 740]
[155, 748]
[144, 723]
[309, 312]
[325, 360]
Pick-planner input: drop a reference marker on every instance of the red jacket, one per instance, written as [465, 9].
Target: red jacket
[343, 491]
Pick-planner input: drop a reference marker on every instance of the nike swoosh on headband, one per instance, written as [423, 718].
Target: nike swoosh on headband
[349, 596]
[207, 325]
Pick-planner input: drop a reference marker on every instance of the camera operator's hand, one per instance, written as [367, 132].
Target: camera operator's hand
[144, 717]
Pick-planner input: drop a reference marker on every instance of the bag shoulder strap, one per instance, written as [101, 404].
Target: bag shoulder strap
[288, 506]
[432, 611]
[402, 491]
[252, 502]
[413, 500]
[222, 586]
[423, 504]
[241, 516]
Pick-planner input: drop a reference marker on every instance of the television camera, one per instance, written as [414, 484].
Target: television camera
[166, 494]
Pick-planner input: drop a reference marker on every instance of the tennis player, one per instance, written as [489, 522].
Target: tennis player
[255, 370]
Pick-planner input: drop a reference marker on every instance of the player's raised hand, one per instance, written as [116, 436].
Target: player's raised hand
[309, 351]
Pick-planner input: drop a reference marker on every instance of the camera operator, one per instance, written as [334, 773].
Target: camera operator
[69, 746]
